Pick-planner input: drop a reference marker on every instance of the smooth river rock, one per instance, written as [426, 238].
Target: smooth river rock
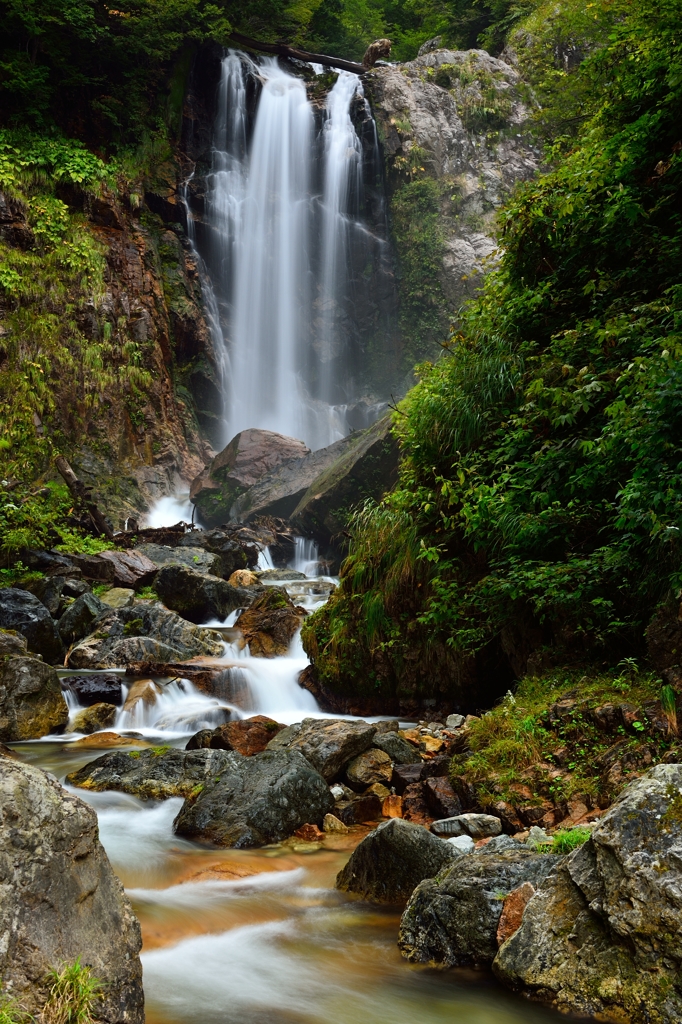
[31, 700]
[198, 596]
[60, 899]
[602, 935]
[154, 774]
[392, 860]
[398, 749]
[255, 800]
[330, 743]
[24, 613]
[452, 920]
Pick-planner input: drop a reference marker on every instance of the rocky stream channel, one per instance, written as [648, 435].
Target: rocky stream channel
[252, 935]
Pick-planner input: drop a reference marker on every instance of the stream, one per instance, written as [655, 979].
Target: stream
[261, 936]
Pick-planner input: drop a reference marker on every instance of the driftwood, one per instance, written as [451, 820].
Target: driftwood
[283, 50]
[82, 495]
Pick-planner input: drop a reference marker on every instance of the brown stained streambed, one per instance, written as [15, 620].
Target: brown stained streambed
[262, 937]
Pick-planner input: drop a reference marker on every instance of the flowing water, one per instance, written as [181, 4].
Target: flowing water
[261, 936]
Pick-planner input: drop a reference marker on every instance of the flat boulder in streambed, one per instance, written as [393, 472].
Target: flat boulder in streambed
[248, 457]
[24, 613]
[330, 743]
[199, 596]
[452, 920]
[601, 938]
[142, 633]
[31, 700]
[60, 898]
[392, 860]
[95, 689]
[154, 774]
[256, 800]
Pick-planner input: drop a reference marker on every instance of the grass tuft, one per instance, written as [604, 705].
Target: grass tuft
[74, 995]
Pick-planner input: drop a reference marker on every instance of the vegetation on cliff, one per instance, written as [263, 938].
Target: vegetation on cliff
[539, 506]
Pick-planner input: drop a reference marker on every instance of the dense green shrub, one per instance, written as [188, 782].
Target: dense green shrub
[542, 462]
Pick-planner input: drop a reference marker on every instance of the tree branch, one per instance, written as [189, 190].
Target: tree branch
[282, 50]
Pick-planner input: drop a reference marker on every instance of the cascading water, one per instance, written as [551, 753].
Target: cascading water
[283, 211]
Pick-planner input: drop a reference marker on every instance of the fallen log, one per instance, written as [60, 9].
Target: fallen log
[82, 495]
[283, 50]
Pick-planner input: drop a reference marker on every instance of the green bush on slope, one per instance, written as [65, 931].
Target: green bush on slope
[540, 497]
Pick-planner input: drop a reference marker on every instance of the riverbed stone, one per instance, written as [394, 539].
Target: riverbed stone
[143, 633]
[601, 936]
[358, 808]
[94, 718]
[31, 700]
[255, 800]
[452, 920]
[371, 766]
[270, 623]
[196, 558]
[247, 736]
[60, 898]
[24, 613]
[154, 774]
[95, 689]
[441, 798]
[198, 596]
[391, 861]
[12, 643]
[78, 618]
[330, 743]
[118, 597]
[143, 691]
[398, 749]
[512, 911]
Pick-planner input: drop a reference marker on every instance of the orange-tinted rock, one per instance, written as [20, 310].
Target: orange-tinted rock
[106, 739]
[269, 625]
[512, 911]
[415, 808]
[243, 578]
[392, 806]
[249, 736]
[310, 833]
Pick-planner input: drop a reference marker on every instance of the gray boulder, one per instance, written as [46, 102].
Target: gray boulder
[602, 936]
[198, 596]
[60, 897]
[248, 457]
[76, 621]
[24, 613]
[155, 774]
[196, 558]
[256, 800]
[478, 826]
[398, 749]
[279, 491]
[31, 700]
[330, 743]
[95, 689]
[12, 642]
[366, 468]
[451, 921]
[392, 860]
[142, 633]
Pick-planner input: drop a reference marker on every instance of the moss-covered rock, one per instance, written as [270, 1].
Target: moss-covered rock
[31, 700]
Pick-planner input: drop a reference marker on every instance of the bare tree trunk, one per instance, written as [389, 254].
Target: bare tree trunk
[82, 495]
[282, 50]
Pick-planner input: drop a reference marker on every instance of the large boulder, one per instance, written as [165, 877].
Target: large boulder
[249, 456]
[12, 642]
[602, 936]
[270, 623]
[93, 719]
[398, 749]
[452, 920]
[279, 491]
[95, 689]
[367, 468]
[234, 547]
[392, 860]
[60, 898]
[24, 613]
[143, 633]
[198, 596]
[330, 743]
[154, 774]
[76, 621]
[121, 568]
[256, 800]
[247, 736]
[31, 700]
[196, 558]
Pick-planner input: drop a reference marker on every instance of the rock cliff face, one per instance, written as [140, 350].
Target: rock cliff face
[451, 126]
[59, 898]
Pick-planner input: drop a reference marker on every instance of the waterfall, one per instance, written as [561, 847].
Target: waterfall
[283, 212]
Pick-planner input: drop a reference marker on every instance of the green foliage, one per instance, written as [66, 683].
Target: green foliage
[566, 840]
[27, 520]
[11, 1012]
[542, 462]
[146, 594]
[73, 996]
